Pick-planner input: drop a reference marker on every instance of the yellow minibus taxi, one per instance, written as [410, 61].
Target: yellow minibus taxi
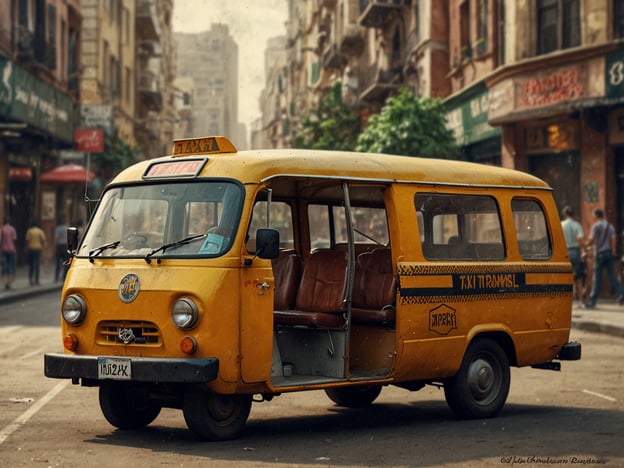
[211, 277]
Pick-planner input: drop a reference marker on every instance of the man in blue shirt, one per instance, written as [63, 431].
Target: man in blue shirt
[603, 238]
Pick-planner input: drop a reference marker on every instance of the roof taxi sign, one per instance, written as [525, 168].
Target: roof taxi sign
[203, 145]
[182, 168]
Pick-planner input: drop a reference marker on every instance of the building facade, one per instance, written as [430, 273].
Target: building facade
[39, 66]
[534, 85]
[71, 70]
[210, 59]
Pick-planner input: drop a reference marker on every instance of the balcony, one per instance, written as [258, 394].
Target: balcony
[332, 59]
[352, 41]
[375, 13]
[149, 92]
[147, 21]
[377, 84]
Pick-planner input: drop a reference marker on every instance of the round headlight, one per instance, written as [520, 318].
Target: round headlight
[74, 309]
[185, 313]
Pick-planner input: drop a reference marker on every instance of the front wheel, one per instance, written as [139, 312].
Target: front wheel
[480, 387]
[354, 397]
[216, 417]
[126, 407]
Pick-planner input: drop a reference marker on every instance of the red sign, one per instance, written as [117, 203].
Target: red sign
[20, 173]
[89, 141]
[552, 88]
[183, 168]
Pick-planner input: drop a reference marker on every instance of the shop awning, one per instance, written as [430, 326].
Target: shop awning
[67, 174]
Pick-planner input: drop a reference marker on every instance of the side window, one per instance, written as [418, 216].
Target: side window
[531, 229]
[281, 219]
[459, 227]
[370, 226]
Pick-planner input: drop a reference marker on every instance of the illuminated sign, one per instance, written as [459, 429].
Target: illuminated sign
[182, 168]
[204, 145]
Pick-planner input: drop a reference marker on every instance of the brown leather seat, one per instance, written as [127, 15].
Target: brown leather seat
[287, 275]
[320, 298]
[374, 289]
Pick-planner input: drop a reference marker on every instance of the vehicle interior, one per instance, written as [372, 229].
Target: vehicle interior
[335, 285]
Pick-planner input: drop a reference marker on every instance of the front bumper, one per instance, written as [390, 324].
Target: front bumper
[161, 370]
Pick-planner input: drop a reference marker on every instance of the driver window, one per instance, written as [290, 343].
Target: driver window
[281, 219]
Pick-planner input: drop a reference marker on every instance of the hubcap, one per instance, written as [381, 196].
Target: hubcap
[483, 381]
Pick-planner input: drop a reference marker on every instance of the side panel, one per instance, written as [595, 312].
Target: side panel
[444, 304]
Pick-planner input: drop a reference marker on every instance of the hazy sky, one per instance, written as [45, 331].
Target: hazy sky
[251, 23]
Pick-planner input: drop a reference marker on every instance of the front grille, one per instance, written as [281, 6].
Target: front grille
[145, 333]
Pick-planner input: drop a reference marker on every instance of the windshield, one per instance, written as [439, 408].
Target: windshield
[165, 220]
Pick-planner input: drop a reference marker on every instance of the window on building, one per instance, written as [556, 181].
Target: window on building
[464, 30]
[127, 84]
[51, 38]
[482, 26]
[558, 25]
[618, 19]
[106, 64]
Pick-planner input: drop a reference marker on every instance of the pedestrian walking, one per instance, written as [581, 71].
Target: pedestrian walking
[8, 237]
[574, 236]
[60, 239]
[602, 236]
[35, 242]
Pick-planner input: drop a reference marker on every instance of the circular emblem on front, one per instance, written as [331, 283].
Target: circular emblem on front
[129, 287]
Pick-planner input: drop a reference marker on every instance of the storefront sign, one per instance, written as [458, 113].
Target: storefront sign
[547, 91]
[551, 88]
[614, 76]
[26, 98]
[96, 116]
[20, 173]
[89, 141]
[468, 120]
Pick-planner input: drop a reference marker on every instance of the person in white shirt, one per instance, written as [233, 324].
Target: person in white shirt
[574, 236]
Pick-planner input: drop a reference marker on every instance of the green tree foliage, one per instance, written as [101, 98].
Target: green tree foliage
[117, 155]
[332, 125]
[409, 125]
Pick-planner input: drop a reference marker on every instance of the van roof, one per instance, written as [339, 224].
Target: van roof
[261, 165]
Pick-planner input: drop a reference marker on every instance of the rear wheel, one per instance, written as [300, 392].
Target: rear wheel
[127, 407]
[480, 387]
[354, 397]
[216, 417]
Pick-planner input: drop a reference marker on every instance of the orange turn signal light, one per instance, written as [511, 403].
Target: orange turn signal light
[70, 342]
[188, 345]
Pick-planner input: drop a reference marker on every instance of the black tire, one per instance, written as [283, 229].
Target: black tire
[480, 387]
[127, 407]
[354, 397]
[216, 417]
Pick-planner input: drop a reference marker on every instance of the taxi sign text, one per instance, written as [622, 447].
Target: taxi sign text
[203, 145]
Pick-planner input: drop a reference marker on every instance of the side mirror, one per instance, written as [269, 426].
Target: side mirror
[72, 239]
[267, 243]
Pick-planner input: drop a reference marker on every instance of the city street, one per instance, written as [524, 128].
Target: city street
[571, 417]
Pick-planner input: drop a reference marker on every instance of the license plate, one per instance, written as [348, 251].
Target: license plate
[114, 368]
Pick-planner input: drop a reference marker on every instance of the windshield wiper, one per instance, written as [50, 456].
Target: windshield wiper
[162, 248]
[97, 251]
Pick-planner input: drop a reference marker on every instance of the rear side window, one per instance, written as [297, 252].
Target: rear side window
[459, 227]
[531, 229]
